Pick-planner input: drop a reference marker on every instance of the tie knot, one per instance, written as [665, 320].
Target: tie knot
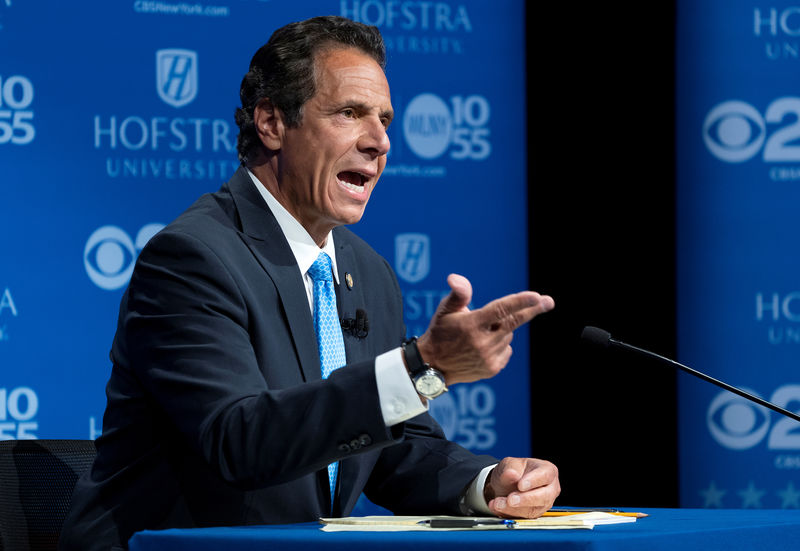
[320, 270]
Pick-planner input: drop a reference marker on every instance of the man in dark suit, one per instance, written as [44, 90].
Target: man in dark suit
[221, 410]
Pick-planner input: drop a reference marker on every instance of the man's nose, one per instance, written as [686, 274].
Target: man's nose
[375, 140]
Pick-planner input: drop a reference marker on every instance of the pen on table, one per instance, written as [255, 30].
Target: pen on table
[466, 522]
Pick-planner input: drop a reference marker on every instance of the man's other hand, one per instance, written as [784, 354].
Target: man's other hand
[522, 487]
[469, 345]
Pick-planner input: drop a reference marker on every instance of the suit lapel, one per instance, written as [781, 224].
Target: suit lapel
[351, 298]
[264, 237]
[262, 234]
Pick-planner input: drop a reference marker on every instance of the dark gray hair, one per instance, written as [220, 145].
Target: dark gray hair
[283, 69]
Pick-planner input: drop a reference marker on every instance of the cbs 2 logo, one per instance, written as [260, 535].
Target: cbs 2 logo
[734, 131]
[16, 92]
[738, 424]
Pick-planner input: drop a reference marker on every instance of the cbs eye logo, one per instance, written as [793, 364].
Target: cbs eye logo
[734, 131]
[735, 422]
[110, 253]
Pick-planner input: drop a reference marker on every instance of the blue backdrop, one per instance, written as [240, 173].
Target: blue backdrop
[115, 116]
[738, 191]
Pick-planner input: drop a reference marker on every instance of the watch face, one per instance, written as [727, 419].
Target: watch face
[429, 384]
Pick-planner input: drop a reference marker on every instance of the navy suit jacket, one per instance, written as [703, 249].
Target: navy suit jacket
[217, 414]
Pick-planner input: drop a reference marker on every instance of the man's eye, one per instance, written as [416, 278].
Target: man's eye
[349, 113]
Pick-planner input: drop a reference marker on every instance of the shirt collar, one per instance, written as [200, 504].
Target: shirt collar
[303, 247]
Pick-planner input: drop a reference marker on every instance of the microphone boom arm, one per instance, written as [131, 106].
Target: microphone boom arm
[708, 379]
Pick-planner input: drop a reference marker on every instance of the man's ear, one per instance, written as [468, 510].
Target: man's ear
[269, 124]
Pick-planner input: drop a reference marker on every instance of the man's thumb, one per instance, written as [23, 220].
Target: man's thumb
[460, 294]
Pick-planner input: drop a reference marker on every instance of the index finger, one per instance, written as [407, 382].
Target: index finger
[512, 311]
[538, 474]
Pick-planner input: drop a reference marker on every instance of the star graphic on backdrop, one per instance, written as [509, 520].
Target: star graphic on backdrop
[790, 497]
[751, 497]
[713, 495]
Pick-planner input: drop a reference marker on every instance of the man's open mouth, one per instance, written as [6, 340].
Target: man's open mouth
[352, 180]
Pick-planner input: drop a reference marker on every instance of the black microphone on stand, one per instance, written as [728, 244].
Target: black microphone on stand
[599, 337]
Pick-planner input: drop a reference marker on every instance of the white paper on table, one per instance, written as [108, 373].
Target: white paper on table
[378, 523]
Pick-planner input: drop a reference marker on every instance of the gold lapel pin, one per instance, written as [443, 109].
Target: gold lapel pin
[348, 279]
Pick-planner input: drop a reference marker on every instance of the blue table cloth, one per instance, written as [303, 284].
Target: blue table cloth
[664, 529]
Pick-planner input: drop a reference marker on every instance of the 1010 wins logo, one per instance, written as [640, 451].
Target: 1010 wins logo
[16, 117]
[432, 127]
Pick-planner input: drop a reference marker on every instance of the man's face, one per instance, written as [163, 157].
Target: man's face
[330, 163]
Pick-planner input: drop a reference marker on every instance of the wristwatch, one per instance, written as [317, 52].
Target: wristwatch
[428, 381]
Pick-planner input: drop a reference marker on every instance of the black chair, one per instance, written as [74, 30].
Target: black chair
[36, 482]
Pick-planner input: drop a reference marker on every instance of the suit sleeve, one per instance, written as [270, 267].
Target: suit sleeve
[184, 338]
[424, 473]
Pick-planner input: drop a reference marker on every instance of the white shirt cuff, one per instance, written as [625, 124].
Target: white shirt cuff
[399, 401]
[473, 498]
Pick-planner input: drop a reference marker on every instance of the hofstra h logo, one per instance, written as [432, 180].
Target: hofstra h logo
[412, 256]
[176, 76]
[185, 146]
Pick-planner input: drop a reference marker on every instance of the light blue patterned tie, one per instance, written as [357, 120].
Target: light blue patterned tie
[328, 329]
